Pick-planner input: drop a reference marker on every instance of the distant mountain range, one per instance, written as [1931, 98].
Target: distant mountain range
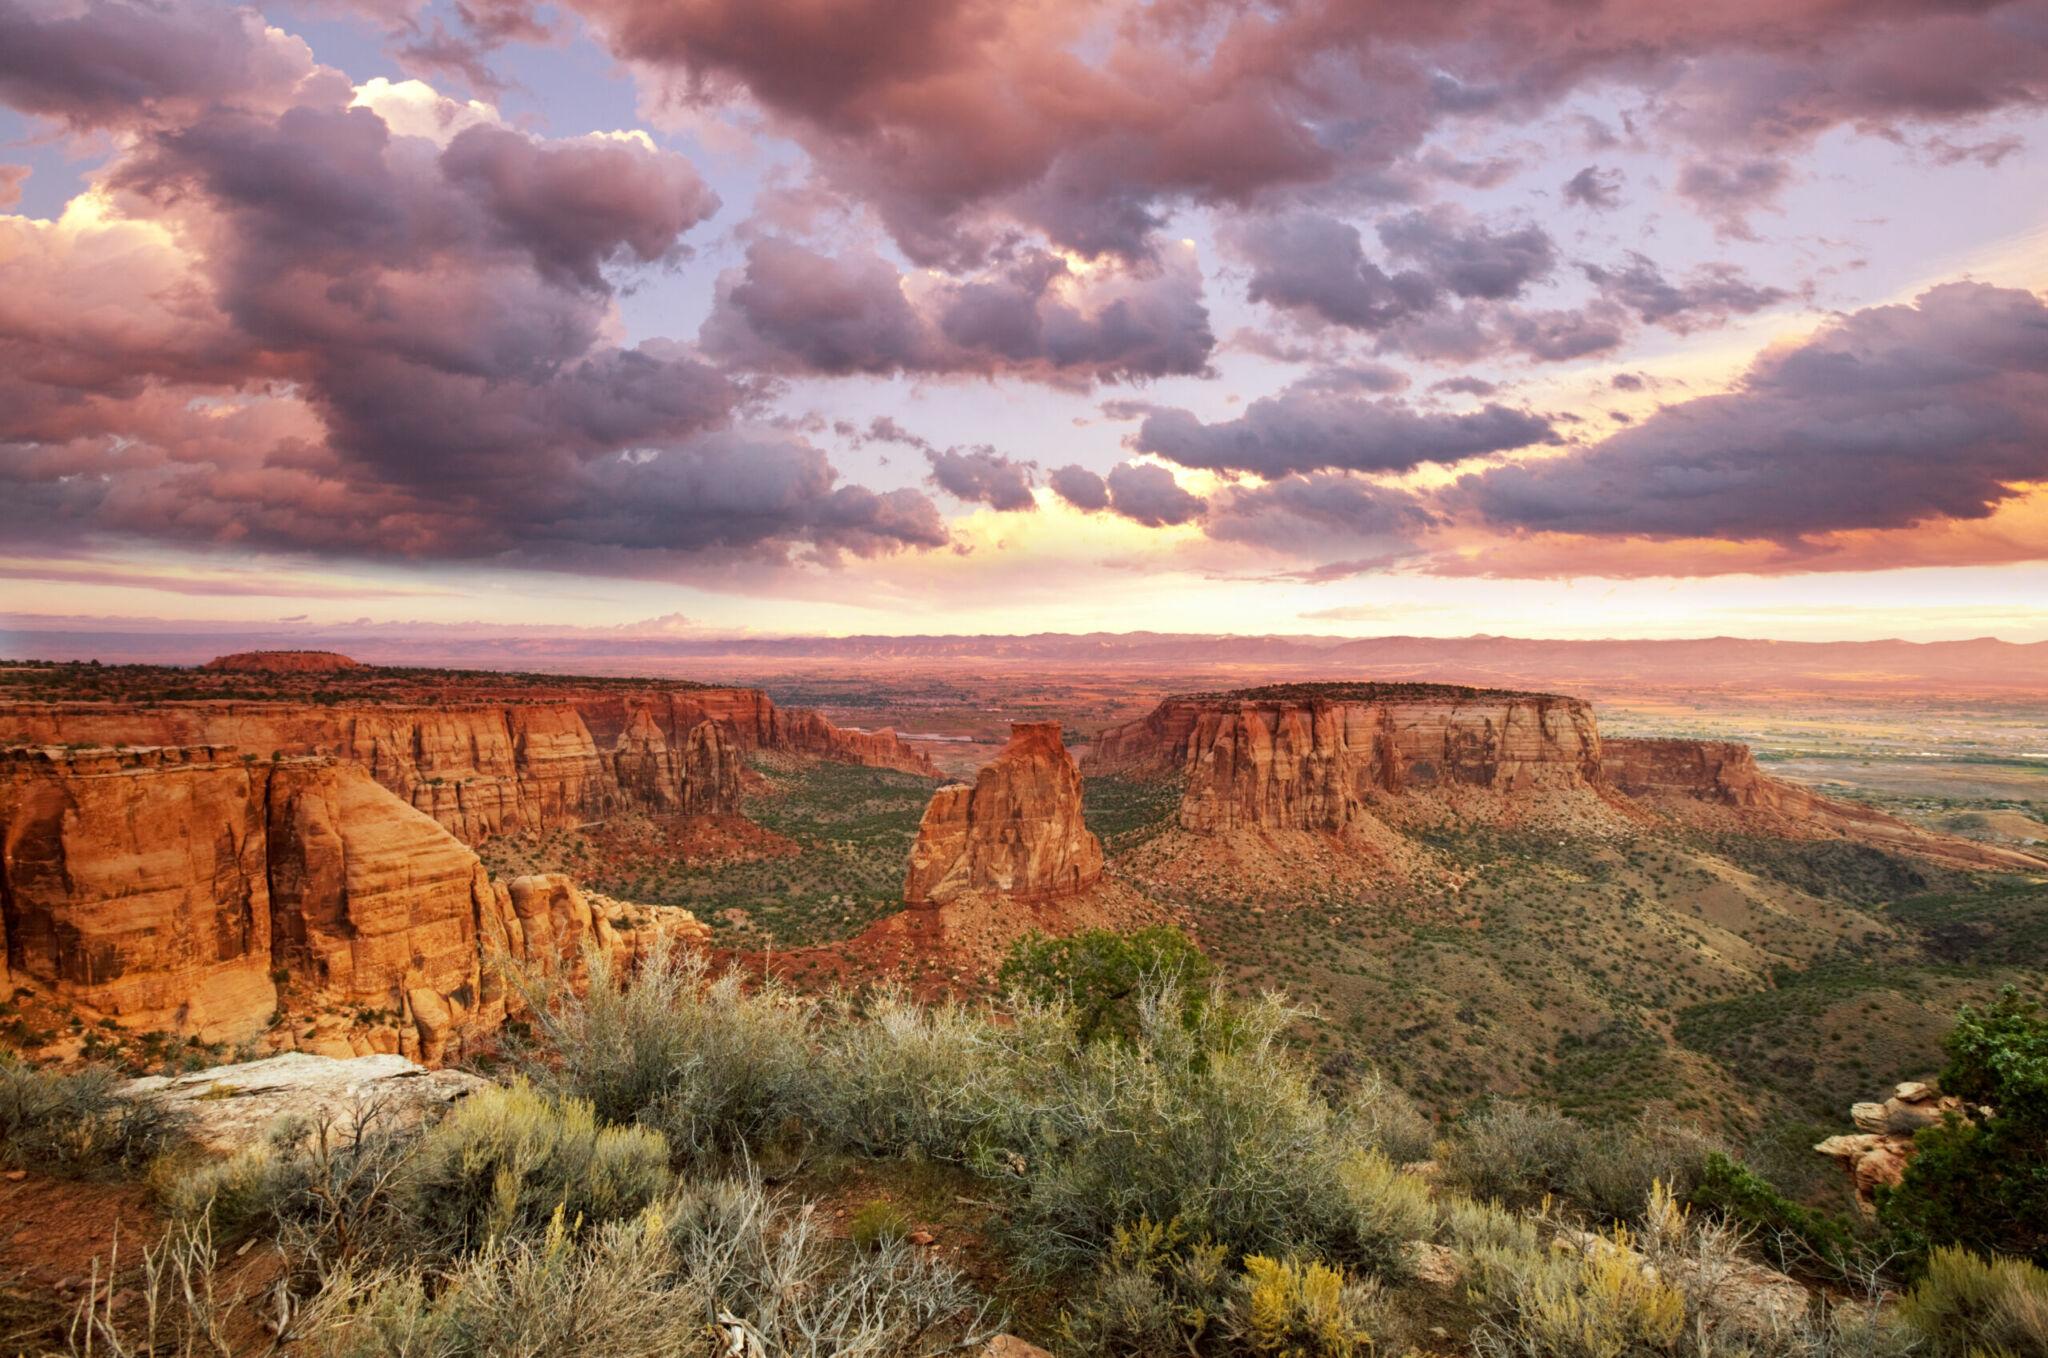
[1978, 664]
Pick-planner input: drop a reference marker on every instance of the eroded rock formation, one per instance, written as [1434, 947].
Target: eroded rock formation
[1875, 1155]
[1016, 831]
[1725, 773]
[201, 892]
[1318, 757]
[487, 769]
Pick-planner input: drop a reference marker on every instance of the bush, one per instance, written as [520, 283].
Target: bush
[880, 1222]
[712, 1065]
[1206, 1123]
[1379, 1113]
[74, 1122]
[1797, 1238]
[1983, 1183]
[1967, 1304]
[938, 1080]
[1523, 1153]
[1302, 1310]
[505, 1159]
[1100, 975]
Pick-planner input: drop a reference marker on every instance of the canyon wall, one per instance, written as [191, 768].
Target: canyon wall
[192, 891]
[1721, 773]
[1317, 757]
[1017, 831]
[485, 769]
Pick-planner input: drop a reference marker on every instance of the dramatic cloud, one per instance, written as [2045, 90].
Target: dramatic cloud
[1318, 514]
[1468, 258]
[1079, 487]
[1093, 123]
[1149, 495]
[1314, 426]
[794, 310]
[119, 63]
[1892, 416]
[295, 326]
[1458, 300]
[984, 476]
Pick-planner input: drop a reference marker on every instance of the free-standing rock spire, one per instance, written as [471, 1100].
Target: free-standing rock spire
[1017, 831]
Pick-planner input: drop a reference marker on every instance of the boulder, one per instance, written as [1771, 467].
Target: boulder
[230, 1107]
[1876, 1155]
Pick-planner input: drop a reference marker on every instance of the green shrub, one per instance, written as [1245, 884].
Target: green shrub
[711, 1064]
[1967, 1305]
[1983, 1183]
[1209, 1123]
[1523, 1153]
[1797, 1238]
[73, 1122]
[880, 1222]
[1100, 975]
[1379, 1113]
[940, 1080]
[505, 1159]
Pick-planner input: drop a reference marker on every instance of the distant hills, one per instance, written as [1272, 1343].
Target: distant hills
[1978, 664]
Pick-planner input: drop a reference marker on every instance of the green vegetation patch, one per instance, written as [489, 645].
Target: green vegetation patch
[853, 828]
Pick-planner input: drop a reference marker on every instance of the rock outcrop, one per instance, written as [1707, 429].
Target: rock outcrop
[227, 1108]
[1320, 757]
[1725, 773]
[487, 769]
[1016, 831]
[1875, 1155]
[284, 662]
[200, 892]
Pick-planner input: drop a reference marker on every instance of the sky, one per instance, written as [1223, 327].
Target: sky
[1533, 317]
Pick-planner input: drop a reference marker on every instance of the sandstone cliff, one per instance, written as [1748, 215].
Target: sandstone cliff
[200, 892]
[1320, 757]
[1725, 774]
[1017, 831]
[486, 769]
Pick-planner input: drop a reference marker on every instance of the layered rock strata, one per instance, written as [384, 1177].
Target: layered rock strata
[1016, 831]
[201, 892]
[1319, 757]
[1726, 774]
[487, 769]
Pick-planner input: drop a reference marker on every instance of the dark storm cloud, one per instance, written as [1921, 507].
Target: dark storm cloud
[1310, 427]
[1891, 416]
